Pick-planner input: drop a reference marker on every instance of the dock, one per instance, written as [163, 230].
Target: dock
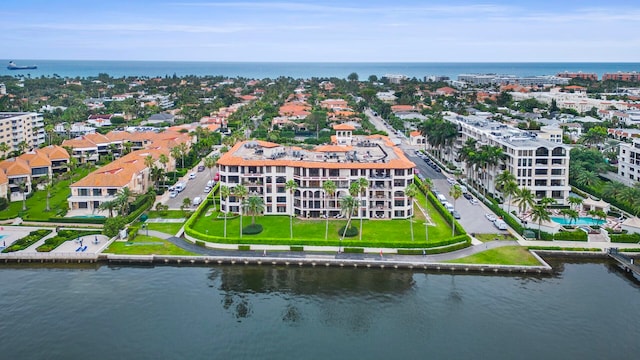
[626, 262]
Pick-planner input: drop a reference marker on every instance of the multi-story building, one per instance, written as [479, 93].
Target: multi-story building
[622, 76]
[486, 79]
[539, 165]
[21, 127]
[629, 161]
[265, 167]
[578, 75]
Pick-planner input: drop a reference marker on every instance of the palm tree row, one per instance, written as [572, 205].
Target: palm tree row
[440, 134]
[483, 158]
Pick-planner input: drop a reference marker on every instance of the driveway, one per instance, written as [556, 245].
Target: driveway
[193, 189]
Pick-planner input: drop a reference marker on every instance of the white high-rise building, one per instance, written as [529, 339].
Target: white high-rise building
[18, 127]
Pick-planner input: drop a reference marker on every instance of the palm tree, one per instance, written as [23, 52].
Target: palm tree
[411, 192]
[23, 188]
[489, 156]
[329, 188]
[186, 202]
[574, 201]
[586, 178]
[4, 148]
[224, 193]
[291, 186]
[546, 201]
[183, 151]
[539, 214]
[455, 192]
[509, 189]
[240, 191]
[255, 205]
[109, 205]
[175, 154]
[47, 186]
[363, 184]
[503, 179]
[613, 189]
[348, 204]
[123, 200]
[148, 162]
[524, 199]
[210, 163]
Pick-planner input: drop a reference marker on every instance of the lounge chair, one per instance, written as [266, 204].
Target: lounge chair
[84, 248]
[79, 249]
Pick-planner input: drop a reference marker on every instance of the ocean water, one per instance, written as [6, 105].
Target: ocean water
[260, 70]
[58, 311]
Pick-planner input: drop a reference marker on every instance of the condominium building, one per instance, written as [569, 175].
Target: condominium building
[538, 164]
[629, 161]
[622, 76]
[19, 127]
[265, 167]
[578, 75]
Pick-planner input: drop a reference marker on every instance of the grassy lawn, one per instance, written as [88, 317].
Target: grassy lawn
[169, 214]
[37, 203]
[167, 228]
[146, 245]
[508, 255]
[382, 232]
[492, 237]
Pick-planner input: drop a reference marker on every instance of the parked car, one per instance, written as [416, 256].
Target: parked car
[437, 169]
[500, 224]
[451, 181]
[207, 189]
[200, 168]
[456, 214]
[490, 217]
[467, 196]
[192, 176]
[473, 201]
[216, 177]
[197, 200]
[173, 194]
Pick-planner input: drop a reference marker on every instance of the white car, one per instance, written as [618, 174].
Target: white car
[197, 200]
[490, 217]
[207, 189]
[451, 181]
[173, 194]
[473, 201]
[192, 176]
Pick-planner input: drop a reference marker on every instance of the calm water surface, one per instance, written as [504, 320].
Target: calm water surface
[586, 311]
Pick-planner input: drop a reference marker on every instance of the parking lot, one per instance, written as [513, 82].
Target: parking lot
[194, 188]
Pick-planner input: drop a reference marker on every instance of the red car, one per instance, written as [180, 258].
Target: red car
[216, 177]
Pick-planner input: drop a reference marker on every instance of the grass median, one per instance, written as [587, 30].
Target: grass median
[146, 245]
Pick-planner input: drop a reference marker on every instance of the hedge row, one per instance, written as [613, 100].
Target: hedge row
[97, 220]
[440, 250]
[625, 238]
[27, 241]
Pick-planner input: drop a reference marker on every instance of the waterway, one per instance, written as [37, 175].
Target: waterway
[583, 311]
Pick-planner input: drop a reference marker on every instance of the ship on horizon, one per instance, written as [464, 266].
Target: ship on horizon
[12, 66]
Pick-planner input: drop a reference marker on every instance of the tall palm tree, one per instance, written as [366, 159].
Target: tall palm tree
[586, 178]
[175, 154]
[240, 191]
[4, 148]
[509, 189]
[184, 148]
[489, 156]
[411, 191]
[363, 184]
[255, 205]
[211, 162]
[455, 192]
[291, 186]
[329, 188]
[348, 204]
[47, 187]
[524, 199]
[23, 188]
[426, 185]
[539, 214]
[613, 189]
[503, 178]
[224, 193]
[148, 162]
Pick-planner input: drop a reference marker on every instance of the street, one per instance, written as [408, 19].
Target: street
[193, 189]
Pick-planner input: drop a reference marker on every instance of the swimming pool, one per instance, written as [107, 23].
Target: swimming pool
[583, 220]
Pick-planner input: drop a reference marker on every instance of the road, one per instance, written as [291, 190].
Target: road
[472, 217]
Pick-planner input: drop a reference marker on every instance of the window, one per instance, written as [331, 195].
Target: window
[97, 192]
[334, 172]
[541, 171]
[399, 172]
[281, 199]
[280, 169]
[354, 172]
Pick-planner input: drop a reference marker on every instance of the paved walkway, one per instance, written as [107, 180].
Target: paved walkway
[332, 251]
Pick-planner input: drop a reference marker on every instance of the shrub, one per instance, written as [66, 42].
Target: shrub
[252, 229]
[3, 203]
[297, 248]
[351, 231]
[244, 247]
[351, 250]
[27, 241]
[113, 225]
[577, 235]
[199, 243]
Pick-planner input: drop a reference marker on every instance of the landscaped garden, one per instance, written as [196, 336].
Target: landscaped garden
[63, 236]
[209, 226]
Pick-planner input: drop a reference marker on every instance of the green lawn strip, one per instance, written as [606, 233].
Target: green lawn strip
[507, 255]
[63, 236]
[169, 214]
[146, 245]
[494, 237]
[27, 241]
[167, 228]
[387, 233]
[37, 203]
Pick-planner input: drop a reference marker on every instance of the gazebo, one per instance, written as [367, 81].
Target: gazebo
[591, 204]
[632, 225]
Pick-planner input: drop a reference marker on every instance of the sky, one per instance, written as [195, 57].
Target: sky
[322, 31]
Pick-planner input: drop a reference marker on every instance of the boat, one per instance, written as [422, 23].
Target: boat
[13, 66]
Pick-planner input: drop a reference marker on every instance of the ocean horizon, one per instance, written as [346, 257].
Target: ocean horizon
[303, 70]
